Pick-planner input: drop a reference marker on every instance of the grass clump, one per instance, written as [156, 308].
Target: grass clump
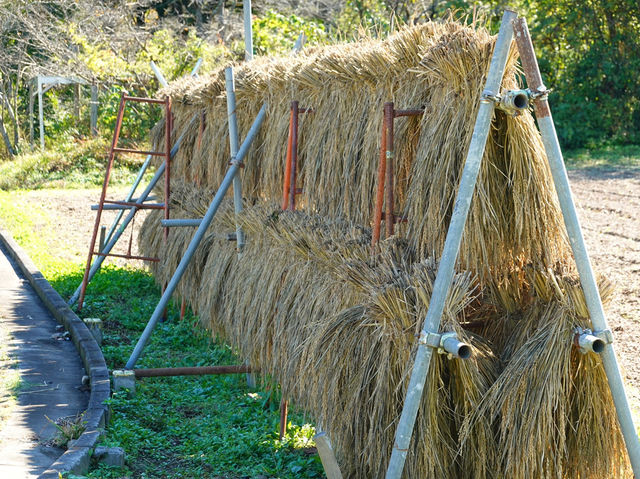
[604, 158]
[70, 164]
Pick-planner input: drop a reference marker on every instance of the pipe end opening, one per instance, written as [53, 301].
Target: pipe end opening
[464, 351]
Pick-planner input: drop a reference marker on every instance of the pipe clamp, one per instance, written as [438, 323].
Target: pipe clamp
[234, 162]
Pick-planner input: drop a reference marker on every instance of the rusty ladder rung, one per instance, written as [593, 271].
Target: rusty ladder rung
[105, 204]
[127, 256]
[139, 99]
[139, 152]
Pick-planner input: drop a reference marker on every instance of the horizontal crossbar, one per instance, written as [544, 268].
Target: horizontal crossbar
[141, 152]
[142, 100]
[127, 256]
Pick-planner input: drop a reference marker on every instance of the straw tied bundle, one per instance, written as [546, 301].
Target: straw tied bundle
[312, 306]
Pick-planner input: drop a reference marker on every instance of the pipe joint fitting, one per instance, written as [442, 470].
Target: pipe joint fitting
[591, 342]
[446, 343]
[514, 102]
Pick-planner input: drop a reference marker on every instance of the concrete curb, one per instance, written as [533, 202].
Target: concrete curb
[76, 459]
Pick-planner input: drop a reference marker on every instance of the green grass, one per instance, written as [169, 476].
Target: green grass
[182, 427]
[72, 164]
[604, 158]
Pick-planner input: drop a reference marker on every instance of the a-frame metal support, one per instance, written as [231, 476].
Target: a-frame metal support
[445, 272]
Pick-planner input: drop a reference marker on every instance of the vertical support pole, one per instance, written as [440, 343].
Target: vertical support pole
[183, 308]
[248, 31]
[32, 93]
[167, 159]
[576, 239]
[328, 458]
[284, 412]
[382, 168]
[195, 241]
[40, 112]
[233, 147]
[287, 168]
[237, 181]
[92, 245]
[294, 154]
[389, 216]
[94, 111]
[444, 276]
[101, 243]
[161, 79]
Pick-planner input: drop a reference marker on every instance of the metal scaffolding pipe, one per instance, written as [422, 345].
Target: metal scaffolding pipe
[587, 278]
[143, 197]
[444, 276]
[287, 166]
[196, 67]
[161, 79]
[233, 148]
[197, 238]
[180, 222]
[248, 30]
[382, 169]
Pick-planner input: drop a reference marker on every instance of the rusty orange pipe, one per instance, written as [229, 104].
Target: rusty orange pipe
[389, 216]
[294, 155]
[287, 169]
[377, 214]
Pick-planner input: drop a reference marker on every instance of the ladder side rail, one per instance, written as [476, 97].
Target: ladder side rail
[143, 196]
[103, 194]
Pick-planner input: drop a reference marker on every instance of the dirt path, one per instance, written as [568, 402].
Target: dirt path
[70, 229]
[608, 205]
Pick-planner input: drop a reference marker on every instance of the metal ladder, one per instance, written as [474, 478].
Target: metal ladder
[129, 203]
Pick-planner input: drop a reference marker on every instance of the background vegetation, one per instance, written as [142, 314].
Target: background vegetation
[588, 53]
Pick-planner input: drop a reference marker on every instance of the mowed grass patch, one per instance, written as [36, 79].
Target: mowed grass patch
[70, 164]
[608, 158]
[182, 427]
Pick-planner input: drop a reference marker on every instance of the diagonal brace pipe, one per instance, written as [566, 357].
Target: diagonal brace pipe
[197, 238]
[444, 276]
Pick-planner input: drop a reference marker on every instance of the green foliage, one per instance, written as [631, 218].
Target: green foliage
[276, 33]
[207, 426]
[371, 16]
[590, 59]
[67, 164]
[608, 158]
[194, 426]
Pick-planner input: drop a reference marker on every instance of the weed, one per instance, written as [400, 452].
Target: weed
[68, 429]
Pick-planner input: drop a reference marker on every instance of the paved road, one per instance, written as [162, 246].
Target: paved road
[50, 373]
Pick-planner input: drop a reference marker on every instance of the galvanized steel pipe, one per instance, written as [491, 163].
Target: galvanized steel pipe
[587, 278]
[444, 276]
[233, 147]
[197, 238]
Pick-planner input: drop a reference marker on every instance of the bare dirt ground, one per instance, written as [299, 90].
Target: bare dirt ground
[608, 206]
[73, 224]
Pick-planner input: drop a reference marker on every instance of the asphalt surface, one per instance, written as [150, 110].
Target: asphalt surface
[50, 372]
